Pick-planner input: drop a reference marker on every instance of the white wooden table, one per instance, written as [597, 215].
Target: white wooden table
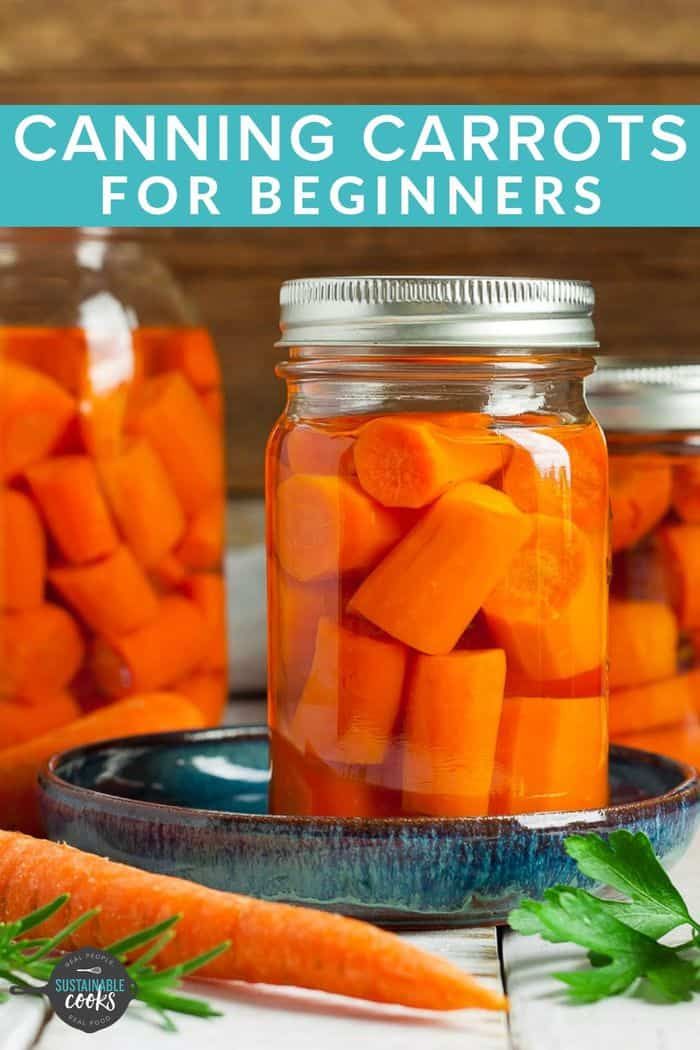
[263, 1018]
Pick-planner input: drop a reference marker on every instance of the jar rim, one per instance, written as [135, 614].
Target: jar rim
[436, 311]
[638, 394]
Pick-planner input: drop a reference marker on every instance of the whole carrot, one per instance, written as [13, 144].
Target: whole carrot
[20, 765]
[270, 943]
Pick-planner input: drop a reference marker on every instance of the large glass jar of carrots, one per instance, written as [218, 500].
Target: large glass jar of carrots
[112, 498]
[651, 414]
[437, 516]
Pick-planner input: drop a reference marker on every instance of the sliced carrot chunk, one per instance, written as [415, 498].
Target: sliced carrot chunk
[214, 406]
[208, 692]
[166, 649]
[40, 651]
[549, 611]
[351, 698]
[186, 350]
[559, 472]
[56, 352]
[143, 501]
[311, 450]
[68, 492]
[643, 642]
[328, 525]
[22, 720]
[208, 591]
[686, 491]
[167, 411]
[34, 413]
[655, 704]
[202, 546]
[428, 589]
[22, 552]
[551, 755]
[680, 549]
[640, 495]
[453, 710]
[681, 742]
[113, 596]
[409, 463]
[169, 573]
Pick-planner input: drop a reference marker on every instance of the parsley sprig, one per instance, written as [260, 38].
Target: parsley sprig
[23, 961]
[622, 936]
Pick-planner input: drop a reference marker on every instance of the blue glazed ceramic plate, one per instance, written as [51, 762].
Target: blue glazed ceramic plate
[194, 804]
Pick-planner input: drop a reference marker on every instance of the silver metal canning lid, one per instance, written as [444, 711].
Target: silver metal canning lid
[634, 395]
[491, 312]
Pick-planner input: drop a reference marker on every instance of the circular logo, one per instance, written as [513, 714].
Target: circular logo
[89, 989]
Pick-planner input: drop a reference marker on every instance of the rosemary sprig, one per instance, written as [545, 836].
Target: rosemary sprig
[23, 960]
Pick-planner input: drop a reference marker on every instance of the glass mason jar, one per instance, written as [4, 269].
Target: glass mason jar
[111, 452]
[437, 534]
[651, 415]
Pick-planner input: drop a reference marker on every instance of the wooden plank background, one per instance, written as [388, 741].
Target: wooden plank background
[389, 51]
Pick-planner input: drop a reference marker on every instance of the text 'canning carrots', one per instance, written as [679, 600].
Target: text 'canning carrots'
[409, 463]
[328, 525]
[270, 943]
[34, 413]
[68, 491]
[551, 755]
[19, 766]
[453, 710]
[427, 590]
[352, 695]
[643, 642]
[640, 495]
[548, 613]
[22, 552]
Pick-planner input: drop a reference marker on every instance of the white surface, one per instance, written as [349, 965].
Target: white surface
[247, 623]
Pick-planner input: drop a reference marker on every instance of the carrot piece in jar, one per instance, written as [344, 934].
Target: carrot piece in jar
[34, 413]
[113, 596]
[405, 462]
[169, 573]
[24, 719]
[311, 450]
[56, 352]
[643, 642]
[680, 549]
[143, 502]
[549, 611]
[297, 608]
[202, 546]
[68, 492]
[640, 495]
[560, 472]
[551, 755]
[453, 710]
[588, 683]
[328, 525]
[163, 651]
[208, 591]
[304, 786]
[428, 589]
[208, 691]
[186, 350]
[214, 406]
[40, 650]
[686, 491]
[655, 704]
[351, 698]
[681, 741]
[22, 552]
[167, 411]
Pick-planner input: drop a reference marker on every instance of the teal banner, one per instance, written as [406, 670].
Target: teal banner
[457, 166]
